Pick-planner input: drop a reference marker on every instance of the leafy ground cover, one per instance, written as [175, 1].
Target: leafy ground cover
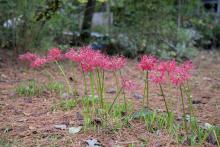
[36, 108]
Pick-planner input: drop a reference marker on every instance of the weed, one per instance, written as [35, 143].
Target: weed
[55, 87]
[29, 89]
[67, 104]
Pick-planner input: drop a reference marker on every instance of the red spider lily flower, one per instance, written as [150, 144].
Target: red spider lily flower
[54, 54]
[106, 63]
[97, 59]
[113, 63]
[168, 66]
[30, 57]
[73, 55]
[128, 84]
[147, 63]
[162, 66]
[87, 67]
[157, 76]
[179, 76]
[117, 63]
[90, 58]
[171, 65]
[38, 62]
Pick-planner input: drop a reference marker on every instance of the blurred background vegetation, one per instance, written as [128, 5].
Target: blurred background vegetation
[165, 28]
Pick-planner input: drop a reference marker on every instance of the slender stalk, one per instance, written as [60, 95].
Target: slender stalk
[92, 89]
[100, 89]
[74, 80]
[146, 90]
[184, 113]
[125, 101]
[124, 97]
[84, 80]
[114, 100]
[169, 92]
[92, 84]
[189, 96]
[116, 80]
[103, 84]
[216, 137]
[164, 98]
[65, 77]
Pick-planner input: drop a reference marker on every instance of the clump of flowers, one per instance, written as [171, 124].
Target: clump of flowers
[29, 57]
[54, 54]
[147, 64]
[94, 64]
[157, 76]
[38, 62]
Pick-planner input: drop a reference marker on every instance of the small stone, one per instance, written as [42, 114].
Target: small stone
[61, 127]
[138, 96]
[207, 126]
[206, 78]
[93, 143]
[160, 110]
[3, 76]
[74, 130]
[32, 128]
[111, 91]
[187, 117]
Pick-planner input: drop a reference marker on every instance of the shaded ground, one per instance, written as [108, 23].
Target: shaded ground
[29, 121]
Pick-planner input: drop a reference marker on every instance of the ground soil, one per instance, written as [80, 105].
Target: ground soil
[29, 121]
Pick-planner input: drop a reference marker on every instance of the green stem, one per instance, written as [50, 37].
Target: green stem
[92, 84]
[84, 80]
[92, 89]
[114, 100]
[188, 93]
[164, 98]
[103, 84]
[125, 101]
[124, 96]
[65, 77]
[74, 80]
[100, 89]
[116, 80]
[216, 137]
[184, 113]
[146, 90]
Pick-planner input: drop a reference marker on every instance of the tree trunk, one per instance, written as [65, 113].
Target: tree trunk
[87, 20]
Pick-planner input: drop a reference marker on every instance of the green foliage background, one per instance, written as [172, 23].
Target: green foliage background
[146, 26]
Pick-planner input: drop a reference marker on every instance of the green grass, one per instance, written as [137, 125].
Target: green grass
[55, 87]
[4, 143]
[29, 89]
[32, 88]
[66, 105]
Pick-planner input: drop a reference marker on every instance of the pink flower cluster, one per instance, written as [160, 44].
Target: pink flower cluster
[54, 54]
[91, 59]
[147, 63]
[88, 58]
[29, 57]
[36, 61]
[160, 71]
